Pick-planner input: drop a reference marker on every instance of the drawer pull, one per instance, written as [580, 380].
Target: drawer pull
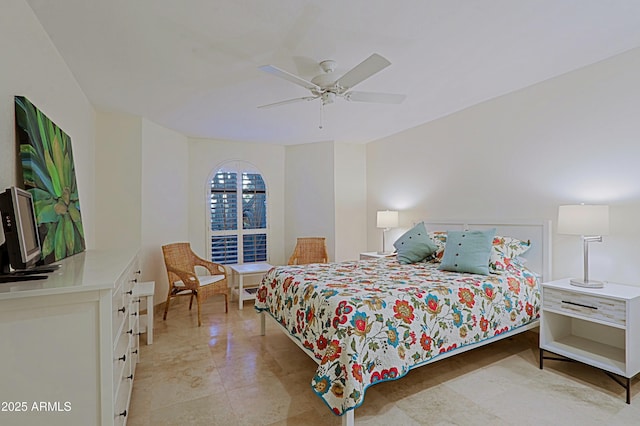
[134, 352]
[122, 309]
[123, 414]
[130, 332]
[130, 377]
[134, 314]
[135, 280]
[130, 292]
[580, 304]
[123, 358]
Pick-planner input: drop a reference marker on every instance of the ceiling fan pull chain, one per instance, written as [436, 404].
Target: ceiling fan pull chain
[321, 114]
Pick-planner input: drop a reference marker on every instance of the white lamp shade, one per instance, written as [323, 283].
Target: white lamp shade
[583, 219]
[387, 219]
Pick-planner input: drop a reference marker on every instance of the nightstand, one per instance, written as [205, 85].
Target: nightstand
[599, 327]
[374, 255]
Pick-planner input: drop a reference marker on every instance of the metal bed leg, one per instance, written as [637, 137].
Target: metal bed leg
[348, 419]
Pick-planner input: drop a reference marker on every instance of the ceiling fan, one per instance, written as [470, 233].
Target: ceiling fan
[328, 86]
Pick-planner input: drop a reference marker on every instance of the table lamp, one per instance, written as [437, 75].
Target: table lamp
[386, 220]
[589, 221]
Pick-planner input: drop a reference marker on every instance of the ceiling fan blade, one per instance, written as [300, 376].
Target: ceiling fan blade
[383, 98]
[290, 77]
[373, 64]
[289, 101]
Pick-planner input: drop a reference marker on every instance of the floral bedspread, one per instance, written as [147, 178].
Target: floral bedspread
[371, 321]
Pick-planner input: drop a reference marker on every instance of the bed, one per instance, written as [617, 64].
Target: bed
[369, 321]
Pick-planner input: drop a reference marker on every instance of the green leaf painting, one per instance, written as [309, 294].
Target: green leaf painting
[48, 172]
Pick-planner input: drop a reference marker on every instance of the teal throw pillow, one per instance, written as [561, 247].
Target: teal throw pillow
[468, 251]
[414, 245]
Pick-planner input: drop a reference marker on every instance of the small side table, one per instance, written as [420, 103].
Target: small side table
[145, 290]
[244, 269]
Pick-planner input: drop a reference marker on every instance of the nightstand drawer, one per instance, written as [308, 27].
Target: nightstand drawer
[585, 305]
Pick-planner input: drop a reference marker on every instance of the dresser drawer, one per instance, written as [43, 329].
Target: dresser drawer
[585, 305]
[121, 356]
[134, 326]
[118, 307]
[121, 404]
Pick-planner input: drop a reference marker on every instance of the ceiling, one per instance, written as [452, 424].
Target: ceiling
[192, 65]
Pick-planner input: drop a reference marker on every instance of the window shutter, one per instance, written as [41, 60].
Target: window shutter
[254, 248]
[228, 243]
[224, 249]
[254, 202]
[224, 202]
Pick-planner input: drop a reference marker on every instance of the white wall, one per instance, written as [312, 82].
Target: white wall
[165, 200]
[118, 180]
[142, 180]
[205, 157]
[568, 140]
[350, 188]
[310, 198]
[32, 67]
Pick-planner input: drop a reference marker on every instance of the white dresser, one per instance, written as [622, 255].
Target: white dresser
[69, 344]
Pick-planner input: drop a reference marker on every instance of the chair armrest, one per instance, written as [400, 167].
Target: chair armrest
[213, 268]
[189, 279]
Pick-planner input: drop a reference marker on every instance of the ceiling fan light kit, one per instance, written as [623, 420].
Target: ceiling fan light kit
[326, 87]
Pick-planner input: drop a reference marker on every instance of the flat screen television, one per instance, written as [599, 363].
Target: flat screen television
[22, 243]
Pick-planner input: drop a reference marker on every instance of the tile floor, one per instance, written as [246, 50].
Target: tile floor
[225, 373]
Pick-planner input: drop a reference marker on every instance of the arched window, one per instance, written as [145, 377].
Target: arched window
[238, 206]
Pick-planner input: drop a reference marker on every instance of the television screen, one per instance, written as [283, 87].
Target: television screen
[20, 228]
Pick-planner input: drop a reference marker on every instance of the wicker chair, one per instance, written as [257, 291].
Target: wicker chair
[180, 262]
[309, 250]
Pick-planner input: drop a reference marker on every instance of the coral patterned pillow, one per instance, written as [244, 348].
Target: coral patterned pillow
[506, 251]
[440, 239]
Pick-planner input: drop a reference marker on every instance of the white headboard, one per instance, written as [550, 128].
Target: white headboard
[537, 232]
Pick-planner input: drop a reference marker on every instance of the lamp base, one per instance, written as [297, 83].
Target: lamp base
[587, 284]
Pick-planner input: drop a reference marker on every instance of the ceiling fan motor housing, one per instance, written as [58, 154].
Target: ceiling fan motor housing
[324, 80]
